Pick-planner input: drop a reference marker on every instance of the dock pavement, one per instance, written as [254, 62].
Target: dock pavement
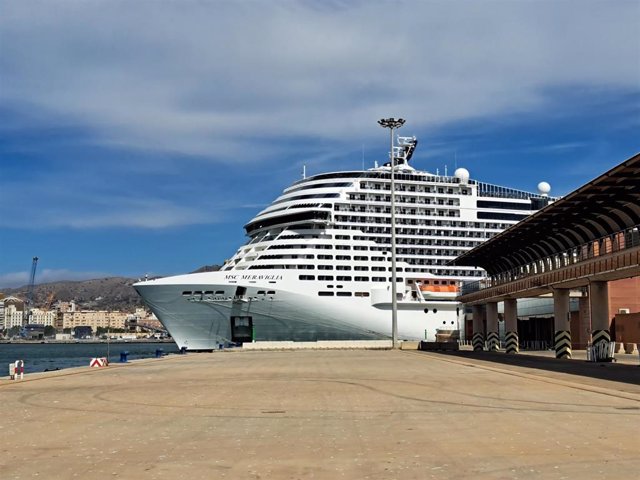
[332, 414]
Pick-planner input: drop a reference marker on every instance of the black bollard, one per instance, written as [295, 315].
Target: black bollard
[159, 352]
[123, 356]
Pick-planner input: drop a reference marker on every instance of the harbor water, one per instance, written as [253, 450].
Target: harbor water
[41, 357]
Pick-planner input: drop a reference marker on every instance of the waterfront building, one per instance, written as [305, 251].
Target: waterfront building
[94, 319]
[12, 316]
[43, 317]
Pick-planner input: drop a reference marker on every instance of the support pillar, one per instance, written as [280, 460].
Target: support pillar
[511, 325]
[600, 336]
[561, 323]
[478, 328]
[493, 337]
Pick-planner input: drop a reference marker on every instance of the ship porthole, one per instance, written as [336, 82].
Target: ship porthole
[426, 310]
[435, 310]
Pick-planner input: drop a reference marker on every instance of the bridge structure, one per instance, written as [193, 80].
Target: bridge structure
[582, 242]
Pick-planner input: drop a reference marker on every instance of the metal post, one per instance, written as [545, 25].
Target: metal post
[391, 124]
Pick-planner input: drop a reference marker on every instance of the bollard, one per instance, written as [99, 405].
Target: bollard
[18, 370]
[123, 356]
[220, 346]
[159, 352]
[12, 371]
[183, 350]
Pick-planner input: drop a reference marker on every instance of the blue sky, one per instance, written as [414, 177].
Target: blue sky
[139, 137]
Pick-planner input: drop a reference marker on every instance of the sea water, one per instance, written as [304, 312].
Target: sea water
[40, 357]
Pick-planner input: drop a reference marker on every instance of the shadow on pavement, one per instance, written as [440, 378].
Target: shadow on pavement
[614, 372]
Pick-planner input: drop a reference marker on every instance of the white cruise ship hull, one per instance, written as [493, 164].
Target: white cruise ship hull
[321, 258]
[203, 321]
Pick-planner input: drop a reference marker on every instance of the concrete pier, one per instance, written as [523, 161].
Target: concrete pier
[322, 414]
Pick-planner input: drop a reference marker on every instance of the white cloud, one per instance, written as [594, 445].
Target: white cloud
[218, 78]
[245, 82]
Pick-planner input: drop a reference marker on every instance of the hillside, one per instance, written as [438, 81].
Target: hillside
[111, 293]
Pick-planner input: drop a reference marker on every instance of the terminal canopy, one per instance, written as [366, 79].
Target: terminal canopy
[606, 205]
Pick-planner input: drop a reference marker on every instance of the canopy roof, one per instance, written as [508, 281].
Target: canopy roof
[606, 205]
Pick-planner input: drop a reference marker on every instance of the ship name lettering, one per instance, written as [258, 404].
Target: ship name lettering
[261, 277]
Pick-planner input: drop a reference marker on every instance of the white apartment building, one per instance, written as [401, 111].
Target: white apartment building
[12, 316]
[43, 317]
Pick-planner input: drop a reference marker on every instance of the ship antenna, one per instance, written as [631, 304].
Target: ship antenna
[445, 169]
[363, 157]
[304, 171]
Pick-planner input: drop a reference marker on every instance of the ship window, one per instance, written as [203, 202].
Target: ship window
[325, 277]
[343, 237]
[261, 292]
[343, 247]
[209, 292]
[343, 257]
[360, 258]
[186, 293]
[398, 279]
[271, 292]
[343, 278]
[219, 292]
[378, 279]
[361, 268]
[362, 294]
[362, 279]
[343, 267]
[343, 294]
[306, 277]
[325, 267]
[325, 257]
[325, 294]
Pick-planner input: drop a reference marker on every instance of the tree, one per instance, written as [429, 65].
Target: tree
[13, 331]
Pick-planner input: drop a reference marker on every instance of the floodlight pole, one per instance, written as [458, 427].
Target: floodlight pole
[391, 124]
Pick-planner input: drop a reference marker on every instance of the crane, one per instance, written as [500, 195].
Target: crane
[29, 301]
[49, 301]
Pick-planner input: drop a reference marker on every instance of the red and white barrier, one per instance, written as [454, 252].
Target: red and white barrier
[99, 362]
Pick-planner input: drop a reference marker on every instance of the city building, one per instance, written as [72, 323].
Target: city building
[94, 319]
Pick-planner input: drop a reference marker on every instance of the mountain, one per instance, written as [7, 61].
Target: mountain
[111, 293]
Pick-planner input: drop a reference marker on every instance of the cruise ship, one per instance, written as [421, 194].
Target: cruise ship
[317, 263]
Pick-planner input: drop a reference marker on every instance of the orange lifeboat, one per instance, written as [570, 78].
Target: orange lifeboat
[439, 288]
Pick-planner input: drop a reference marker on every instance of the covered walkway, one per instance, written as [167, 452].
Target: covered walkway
[584, 240]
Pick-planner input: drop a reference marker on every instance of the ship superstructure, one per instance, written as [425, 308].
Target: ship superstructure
[317, 264]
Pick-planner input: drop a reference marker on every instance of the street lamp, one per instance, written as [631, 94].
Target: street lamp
[391, 124]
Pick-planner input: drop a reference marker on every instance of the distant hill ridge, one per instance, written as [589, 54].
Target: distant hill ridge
[110, 293]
